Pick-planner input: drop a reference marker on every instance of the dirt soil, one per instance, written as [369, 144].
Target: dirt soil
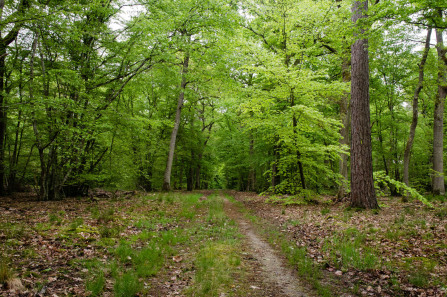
[277, 278]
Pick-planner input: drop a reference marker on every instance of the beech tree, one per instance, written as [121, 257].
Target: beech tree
[414, 122]
[438, 126]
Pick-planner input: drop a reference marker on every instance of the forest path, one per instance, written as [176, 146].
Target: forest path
[274, 269]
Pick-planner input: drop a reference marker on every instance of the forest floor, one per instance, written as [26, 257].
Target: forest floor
[215, 244]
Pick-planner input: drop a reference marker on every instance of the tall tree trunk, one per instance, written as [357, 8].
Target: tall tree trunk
[3, 117]
[414, 122]
[181, 97]
[362, 185]
[438, 125]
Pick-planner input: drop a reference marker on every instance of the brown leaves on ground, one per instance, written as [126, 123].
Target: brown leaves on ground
[409, 240]
[42, 242]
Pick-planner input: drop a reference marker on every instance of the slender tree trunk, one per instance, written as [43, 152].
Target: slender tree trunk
[190, 176]
[181, 97]
[3, 117]
[362, 185]
[198, 169]
[414, 122]
[298, 153]
[438, 124]
[251, 184]
[275, 167]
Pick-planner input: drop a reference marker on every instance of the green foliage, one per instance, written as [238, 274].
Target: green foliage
[263, 101]
[305, 197]
[381, 180]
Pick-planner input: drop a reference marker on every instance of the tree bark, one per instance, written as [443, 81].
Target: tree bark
[438, 125]
[181, 97]
[362, 185]
[414, 122]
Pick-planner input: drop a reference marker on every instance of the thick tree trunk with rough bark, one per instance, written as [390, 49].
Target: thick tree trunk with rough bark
[414, 122]
[181, 97]
[438, 125]
[362, 185]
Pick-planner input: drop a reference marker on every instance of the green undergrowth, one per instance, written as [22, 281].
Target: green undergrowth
[163, 226]
[305, 197]
[347, 249]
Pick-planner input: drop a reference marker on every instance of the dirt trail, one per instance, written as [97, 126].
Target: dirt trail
[274, 269]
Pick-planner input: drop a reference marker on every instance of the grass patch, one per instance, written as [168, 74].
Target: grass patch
[55, 219]
[217, 262]
[95, 284]
[12, 230]
[325, 211]
[75, 224]
[110, 231]
[107, 215]
[148, 261]
[441, 213]
[127, 285]
[348, 250]
[420, 270]
[214, 265]
[5, 272]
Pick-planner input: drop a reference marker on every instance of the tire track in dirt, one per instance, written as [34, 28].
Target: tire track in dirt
[273, 267]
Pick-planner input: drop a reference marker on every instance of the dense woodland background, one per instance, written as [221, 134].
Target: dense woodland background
[253, 95]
